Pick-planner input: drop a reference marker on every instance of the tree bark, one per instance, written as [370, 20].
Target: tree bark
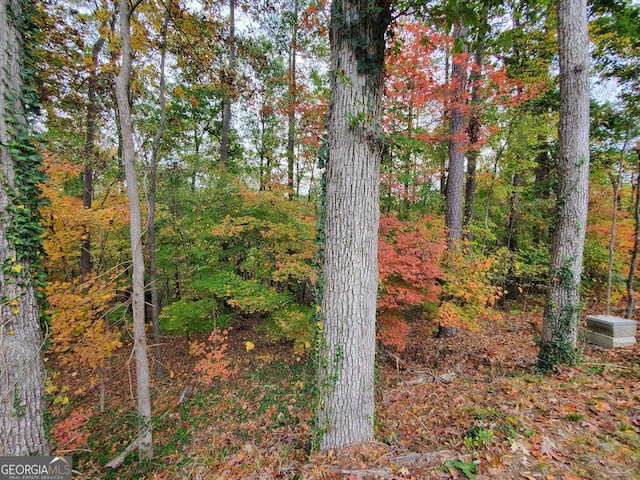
[226, 97]
[473, 134]
[636, 245]
[151, 203]
[347, 349]
[21, 366]
[455, 178]
[122, 89]
[616, 184]
[562, 310]
[291, 133]
[89, 148]
[542, 183]
[514, 212]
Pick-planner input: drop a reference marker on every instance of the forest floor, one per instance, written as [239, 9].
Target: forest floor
[471, 406]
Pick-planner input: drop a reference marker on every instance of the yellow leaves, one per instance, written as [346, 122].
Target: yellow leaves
[79, 332]
[14, 308]
[249, 345]
[61, 400]
[194, 101]
[65, 219]
[179, 92]
[16, 268]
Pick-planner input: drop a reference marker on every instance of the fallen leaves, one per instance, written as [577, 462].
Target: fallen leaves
[260, 424]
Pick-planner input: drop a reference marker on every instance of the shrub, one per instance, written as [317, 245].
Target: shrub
[409, 255]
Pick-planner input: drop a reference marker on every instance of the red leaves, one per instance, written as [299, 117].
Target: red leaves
[409, 271]
[68, 433]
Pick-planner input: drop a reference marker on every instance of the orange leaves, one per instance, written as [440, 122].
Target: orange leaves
[67, 222]
[68, 433]
[213, 362]
[393, 331]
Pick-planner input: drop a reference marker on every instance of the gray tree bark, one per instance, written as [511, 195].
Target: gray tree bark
[21, 366]
[151, 202]
[562, 311]
[455, 177]
[291, 120]
[346, 365]
[89, 151]
[226, 98]
[473, 134]
[636, 244]
[122, 88]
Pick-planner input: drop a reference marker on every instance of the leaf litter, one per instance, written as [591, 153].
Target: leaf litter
[471, 406]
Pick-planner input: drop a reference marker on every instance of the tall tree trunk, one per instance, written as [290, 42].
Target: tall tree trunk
[346, 364]
[543, 171]
[151, 203]
[226, 97]
[636, 243]
[291, 133]
[473, 134]
[122, 89]
[558, 344]
[455, 178]
[21, 365]
[511, 281]
[616, 184]
[514, 212]
[89, 150]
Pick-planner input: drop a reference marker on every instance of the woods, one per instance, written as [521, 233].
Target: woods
[292, 211]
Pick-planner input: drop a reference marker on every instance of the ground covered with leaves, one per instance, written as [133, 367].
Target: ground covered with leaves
[471, 406]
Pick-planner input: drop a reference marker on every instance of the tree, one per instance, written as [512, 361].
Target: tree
[457, 137]
[350, 271]
[21, 365]
[122, 89]
[90, 151]
[151, 200]
[636, 243]
[562, 310]
[291, 114]
[228, 85]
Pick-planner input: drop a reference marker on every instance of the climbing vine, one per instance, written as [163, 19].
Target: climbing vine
[24, 230]
[364, 30]
[560, 349]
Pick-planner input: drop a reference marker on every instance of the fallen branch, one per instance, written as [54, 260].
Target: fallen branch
[382, 472]
[405, 460]
[412, 458]
[119, 460]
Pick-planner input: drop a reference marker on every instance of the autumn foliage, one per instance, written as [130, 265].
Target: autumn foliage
[468, 294]
[420, 281]
[212, 362]
[69, 433]
[409, 256]
[80, 330]
[78, 310]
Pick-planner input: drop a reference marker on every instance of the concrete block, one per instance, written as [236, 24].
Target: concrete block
[611, 326]
[610, 342]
